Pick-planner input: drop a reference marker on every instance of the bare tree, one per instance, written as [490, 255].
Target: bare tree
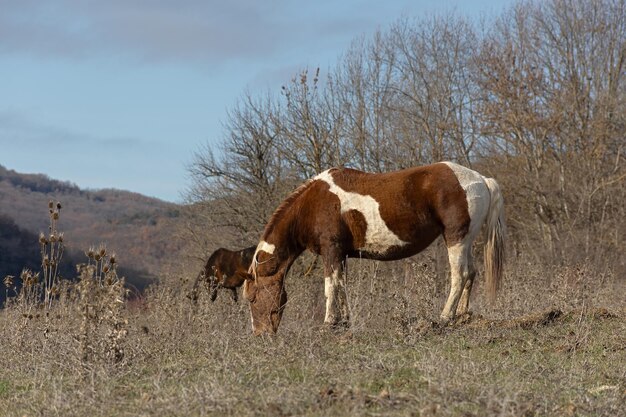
[309, 138]
[536, 99]
[362, 87]
[235, 192]
[435, 100]
[552, 106]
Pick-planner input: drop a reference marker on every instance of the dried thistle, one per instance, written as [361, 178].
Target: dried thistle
[51, 253]
[8, 281]
[28, 278]
[25, 274]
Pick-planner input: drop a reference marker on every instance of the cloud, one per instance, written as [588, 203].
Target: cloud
[204, 32]
[88, 160]
[16, 129]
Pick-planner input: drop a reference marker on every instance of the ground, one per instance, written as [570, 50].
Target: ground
[554, 343]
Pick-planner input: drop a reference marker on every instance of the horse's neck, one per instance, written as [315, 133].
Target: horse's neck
[287, 244]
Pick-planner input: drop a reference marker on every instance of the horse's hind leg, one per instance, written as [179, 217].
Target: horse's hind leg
[463, 306]
[337, 312]
[459, 273]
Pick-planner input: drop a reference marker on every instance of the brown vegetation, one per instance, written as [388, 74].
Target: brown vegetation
[537, 100]
[138, 228]
[536, 352]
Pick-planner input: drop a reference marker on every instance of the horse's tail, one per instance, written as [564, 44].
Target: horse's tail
[496, 236]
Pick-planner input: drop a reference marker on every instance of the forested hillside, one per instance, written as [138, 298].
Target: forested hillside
[141, 230]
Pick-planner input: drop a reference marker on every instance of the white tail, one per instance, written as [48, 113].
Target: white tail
[496, 236]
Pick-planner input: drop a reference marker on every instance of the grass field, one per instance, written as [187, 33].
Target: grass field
[552, 346]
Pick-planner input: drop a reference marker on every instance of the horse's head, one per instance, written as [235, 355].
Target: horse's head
[264, 289]
[267, 301]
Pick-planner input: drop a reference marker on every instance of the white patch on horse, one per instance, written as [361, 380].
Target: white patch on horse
[378, 237]
[336, 299]
[330, 290]
[265, 247]
[477, 195]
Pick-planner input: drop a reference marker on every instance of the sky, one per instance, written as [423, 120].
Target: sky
[122, 93]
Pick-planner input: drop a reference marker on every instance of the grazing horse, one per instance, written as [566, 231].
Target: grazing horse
[224, 269]
[344, 213]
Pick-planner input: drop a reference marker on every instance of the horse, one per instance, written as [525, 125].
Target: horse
[224, 269]
[345, 213]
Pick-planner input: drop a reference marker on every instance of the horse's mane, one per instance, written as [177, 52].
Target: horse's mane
[276, 216]
[284, 206]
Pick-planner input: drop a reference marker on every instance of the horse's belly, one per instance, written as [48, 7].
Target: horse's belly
[422, 240]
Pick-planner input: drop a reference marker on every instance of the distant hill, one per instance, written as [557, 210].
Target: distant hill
[137, 228]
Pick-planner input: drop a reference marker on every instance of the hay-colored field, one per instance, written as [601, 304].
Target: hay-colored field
[552, 345]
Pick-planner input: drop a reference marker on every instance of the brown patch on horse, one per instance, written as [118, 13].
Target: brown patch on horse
[415, 208]
[357, 225]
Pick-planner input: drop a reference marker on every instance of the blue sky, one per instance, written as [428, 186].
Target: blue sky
[121, 93]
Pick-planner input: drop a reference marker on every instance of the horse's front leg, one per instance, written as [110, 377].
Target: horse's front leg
[337, 311]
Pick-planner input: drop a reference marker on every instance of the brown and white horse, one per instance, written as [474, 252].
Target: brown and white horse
[344, 213]
[225, 268]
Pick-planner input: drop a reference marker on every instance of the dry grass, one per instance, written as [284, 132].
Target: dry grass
[553, 344]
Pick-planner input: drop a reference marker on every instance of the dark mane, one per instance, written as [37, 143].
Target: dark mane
[286, 204]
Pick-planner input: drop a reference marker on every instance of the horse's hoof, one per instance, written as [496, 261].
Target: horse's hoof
[446, 320]
[463, 318]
